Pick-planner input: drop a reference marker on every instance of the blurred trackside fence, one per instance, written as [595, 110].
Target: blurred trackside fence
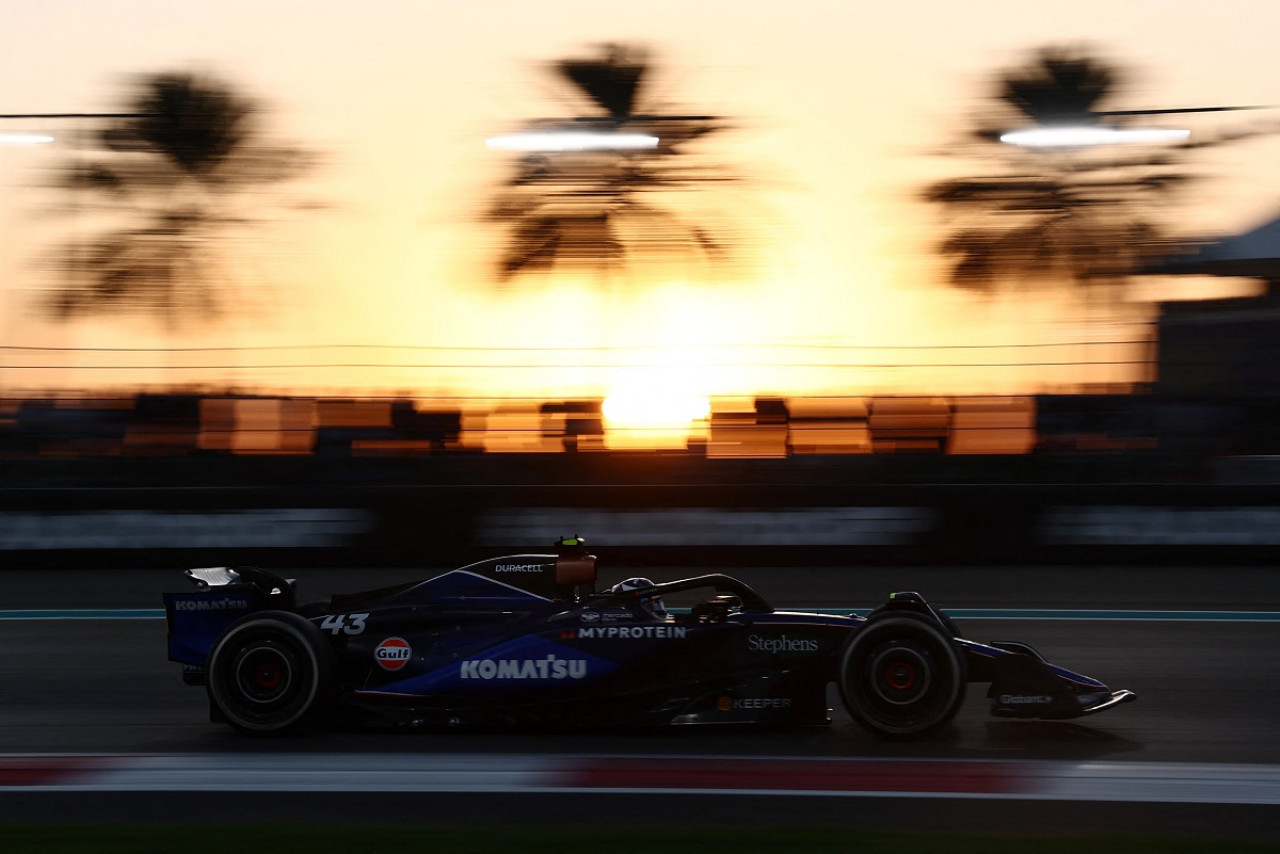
[697, 521]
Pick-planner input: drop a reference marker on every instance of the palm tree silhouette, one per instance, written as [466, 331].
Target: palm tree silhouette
[168, 182]
[1081, 217]
[598, 209]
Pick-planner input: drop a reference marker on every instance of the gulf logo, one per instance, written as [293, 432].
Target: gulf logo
[392, 653]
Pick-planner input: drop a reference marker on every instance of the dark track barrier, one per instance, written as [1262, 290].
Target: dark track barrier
[642, 509]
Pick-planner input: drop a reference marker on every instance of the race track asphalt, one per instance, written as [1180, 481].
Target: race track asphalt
[1209, 692]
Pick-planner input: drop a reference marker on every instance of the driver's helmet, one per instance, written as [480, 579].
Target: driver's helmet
[653, 603]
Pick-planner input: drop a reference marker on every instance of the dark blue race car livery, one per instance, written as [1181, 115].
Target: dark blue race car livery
[527, 639]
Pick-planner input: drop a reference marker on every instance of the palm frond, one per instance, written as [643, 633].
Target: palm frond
[599, 208]
[612, 81]
[1060, 85]
[987, 191]
[188, 145]
[1081, 218]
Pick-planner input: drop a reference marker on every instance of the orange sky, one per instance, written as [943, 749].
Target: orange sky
[842, 107]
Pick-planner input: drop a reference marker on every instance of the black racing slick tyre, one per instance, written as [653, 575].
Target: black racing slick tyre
[268, 673]
[902, 677]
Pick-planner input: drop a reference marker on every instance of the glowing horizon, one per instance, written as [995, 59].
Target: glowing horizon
[389, 244]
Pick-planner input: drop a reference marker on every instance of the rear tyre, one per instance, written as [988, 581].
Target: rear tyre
[901, 677]
[268, 673]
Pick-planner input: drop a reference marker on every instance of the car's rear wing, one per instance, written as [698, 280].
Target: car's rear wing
[270, 584]
[223, 595]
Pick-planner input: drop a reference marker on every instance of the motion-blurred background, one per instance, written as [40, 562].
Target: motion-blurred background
[976, 299]
[682, 248]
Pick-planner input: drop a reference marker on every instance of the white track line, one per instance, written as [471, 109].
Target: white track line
[1132, 782]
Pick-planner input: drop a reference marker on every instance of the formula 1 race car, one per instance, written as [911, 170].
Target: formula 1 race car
[528, 640]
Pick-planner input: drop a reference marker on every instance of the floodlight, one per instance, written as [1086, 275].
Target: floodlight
[24, 138]
[1073, 137]
[572, 141]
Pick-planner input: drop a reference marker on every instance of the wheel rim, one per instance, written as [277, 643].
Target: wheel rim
[900, 675]
[263, 673]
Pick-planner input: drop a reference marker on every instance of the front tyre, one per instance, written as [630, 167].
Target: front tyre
[268, 672]
[901, 677]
